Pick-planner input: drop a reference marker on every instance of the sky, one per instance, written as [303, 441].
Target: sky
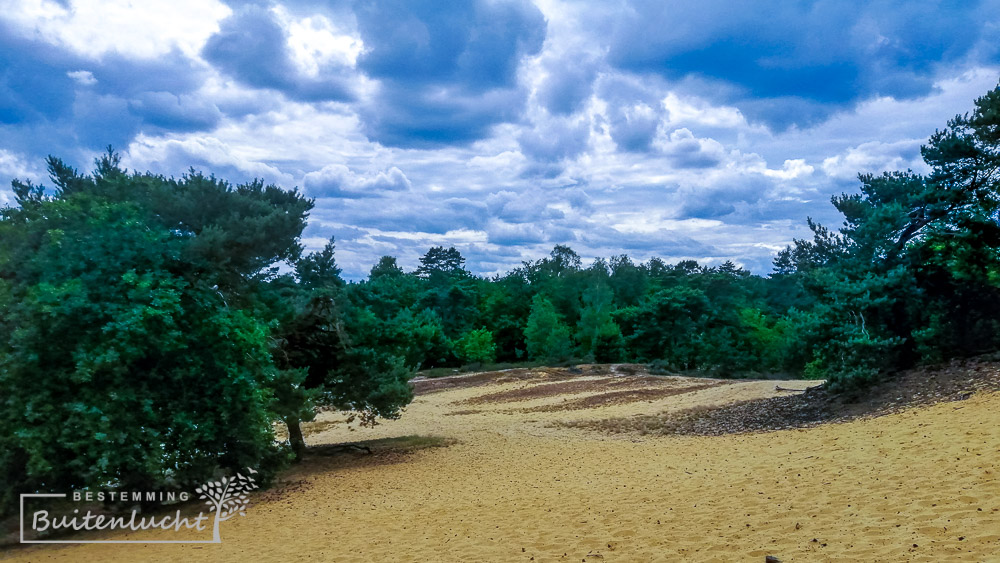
[702, 130]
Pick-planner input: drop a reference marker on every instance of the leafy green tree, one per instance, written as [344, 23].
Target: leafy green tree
[319, 271]
[599, 337]
[668, 326]
[627, 280]
[503, 310]
[453, 298]
[419, 338]
[562, 260]
[388, 293]
[477, 347]
[327, 358]
[129, 357]
[546, 336]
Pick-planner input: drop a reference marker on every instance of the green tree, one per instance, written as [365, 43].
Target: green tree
[668, 326]
[386, 268]
[477, 347]
[129, 354]
[440, 260]
[546, 336]
[328, 358]
[912, 274]
[419, 338]
[599, 337]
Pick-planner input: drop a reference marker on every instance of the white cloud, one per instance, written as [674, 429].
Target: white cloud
[173, 156]
[600, 158]
[140, 29]
[14, 166]
[791, 169]
[82, 77]
[337, 180]
[875, 157]
[506, 162]
[315, 41]
[688, 110]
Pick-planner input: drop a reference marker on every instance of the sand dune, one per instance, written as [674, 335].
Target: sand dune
[920, 485]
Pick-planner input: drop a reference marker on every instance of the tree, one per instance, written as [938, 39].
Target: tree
[561, 261]
[627, 280]
[130, 356]
[328, 358]
[912, 274]
[668, 326]
[418, 337]
[599, 337]
[546, 336]
[319, 271]
[386, 268]
[440, 260]
[477, 347]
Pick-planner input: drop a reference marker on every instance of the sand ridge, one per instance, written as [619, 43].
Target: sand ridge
[920, 485]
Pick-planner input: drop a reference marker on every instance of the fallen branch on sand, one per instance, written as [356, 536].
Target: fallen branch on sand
[780, 388]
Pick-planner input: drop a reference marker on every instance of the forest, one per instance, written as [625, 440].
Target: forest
[154, 329]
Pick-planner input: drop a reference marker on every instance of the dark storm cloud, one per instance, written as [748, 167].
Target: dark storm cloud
[252, 47]
[34, 84]
[53, 101]
[795, 63]
[447, 72]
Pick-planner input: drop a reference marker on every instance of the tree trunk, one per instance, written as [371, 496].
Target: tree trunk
[295, 438]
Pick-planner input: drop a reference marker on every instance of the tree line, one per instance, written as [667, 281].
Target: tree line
[155, 329]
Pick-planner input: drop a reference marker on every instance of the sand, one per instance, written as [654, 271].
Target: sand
[920, 485]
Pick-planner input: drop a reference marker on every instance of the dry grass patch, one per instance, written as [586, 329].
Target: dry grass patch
[778, 413]
[622, 397]
[956, 381]
[422, 386]
[546, 390]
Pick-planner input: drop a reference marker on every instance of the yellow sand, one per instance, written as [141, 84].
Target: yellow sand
[917, 486]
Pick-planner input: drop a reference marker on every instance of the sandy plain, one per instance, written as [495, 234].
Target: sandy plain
[507, 481]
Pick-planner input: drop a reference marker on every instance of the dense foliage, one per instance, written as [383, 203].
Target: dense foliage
[912, 276]
[147, 337]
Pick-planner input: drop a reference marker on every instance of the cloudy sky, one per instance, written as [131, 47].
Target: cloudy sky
[706, 130]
